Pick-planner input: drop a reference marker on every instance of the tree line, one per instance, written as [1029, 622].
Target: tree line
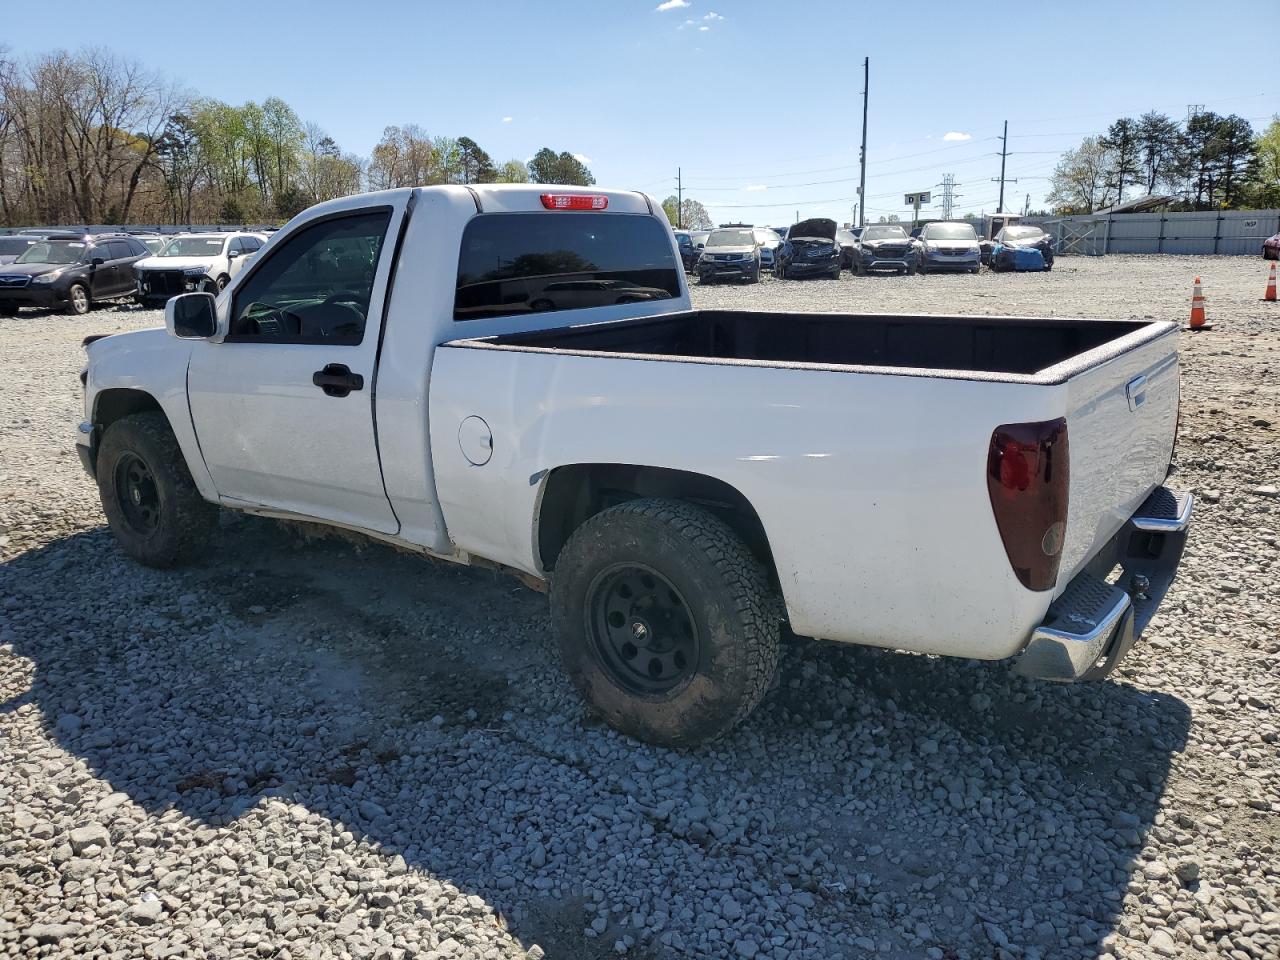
[1207, 162]
[90, 137]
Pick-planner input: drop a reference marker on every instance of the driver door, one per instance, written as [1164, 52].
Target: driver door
[283, 405]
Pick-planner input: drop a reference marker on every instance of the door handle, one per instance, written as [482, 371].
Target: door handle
[1135, 392]
[337, 380]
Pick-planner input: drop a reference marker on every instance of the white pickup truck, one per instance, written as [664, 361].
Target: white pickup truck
[513, 375]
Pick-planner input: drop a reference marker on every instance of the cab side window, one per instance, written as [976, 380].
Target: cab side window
[316, 286]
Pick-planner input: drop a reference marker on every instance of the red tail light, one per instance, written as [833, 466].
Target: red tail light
[575, 201]
[1028, 474]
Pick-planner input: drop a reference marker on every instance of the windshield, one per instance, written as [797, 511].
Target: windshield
[193, 247]
[947, 231]
[730, 238]
[53, 251]
[884, 233]
[152, 243]
[1021, 233]
[766, 235]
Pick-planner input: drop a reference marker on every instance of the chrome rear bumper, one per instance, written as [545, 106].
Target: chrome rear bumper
[1094, 623]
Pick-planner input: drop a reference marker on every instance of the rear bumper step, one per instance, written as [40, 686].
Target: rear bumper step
[1094, 623]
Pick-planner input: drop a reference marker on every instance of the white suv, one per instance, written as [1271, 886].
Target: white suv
[194, 262]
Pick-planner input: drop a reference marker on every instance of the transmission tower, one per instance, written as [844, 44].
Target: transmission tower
[949, 195]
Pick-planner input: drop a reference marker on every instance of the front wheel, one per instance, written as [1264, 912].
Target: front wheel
[78, 299]
[667, 623]
[151, 502]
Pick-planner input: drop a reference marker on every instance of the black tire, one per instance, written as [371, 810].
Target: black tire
[78, 300]
[688, 568]
[8, 309]
[152, 505]
[221, 283]
[910, 270]
[860, 268]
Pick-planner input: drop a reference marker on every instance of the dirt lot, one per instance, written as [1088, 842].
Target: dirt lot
[305, 748]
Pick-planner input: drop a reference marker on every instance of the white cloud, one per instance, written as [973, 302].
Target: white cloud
[957, 135]
[703, 29]
[507, 119]
[582, 158]
[687, 23]
[670, 5]
[755, 187]
[713, 16]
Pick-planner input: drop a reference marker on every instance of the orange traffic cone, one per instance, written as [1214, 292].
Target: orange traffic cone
[1271, 286]
[1197, 308]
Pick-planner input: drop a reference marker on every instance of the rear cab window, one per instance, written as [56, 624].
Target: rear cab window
[515, 263]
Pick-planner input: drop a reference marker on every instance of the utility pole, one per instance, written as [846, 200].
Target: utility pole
[862, 177]
[1004, 152]
[679, 200]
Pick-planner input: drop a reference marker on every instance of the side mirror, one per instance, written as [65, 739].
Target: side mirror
[232, 254]
[191, 316]
[96, 262]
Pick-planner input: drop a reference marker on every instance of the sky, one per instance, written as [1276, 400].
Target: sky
[758, 103]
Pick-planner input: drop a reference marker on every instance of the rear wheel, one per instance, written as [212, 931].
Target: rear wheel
[8, 309]
[667, 623]
[78, 299]
[151, 502]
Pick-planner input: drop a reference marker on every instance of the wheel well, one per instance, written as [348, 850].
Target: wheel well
[575, 493]
[111, 405]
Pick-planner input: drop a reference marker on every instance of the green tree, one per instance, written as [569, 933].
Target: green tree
[475, 164]
[692, 214]
[1157, 147]
[1264, 189]
[549, 167]
[513, 171]
[1237, 158]
[1122, 145]
[1079, 183]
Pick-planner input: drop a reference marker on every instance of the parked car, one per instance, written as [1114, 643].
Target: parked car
[688, 254]
[885, 246]
[847, 240]
[639, 460]
[769, 242]
[949, 245]
[1271, 248]
[71, 271]
[1014, 244]
[995, 223]
[731, 253]
[194, 261]
[12, 247]
[810, 250]
[154, 242]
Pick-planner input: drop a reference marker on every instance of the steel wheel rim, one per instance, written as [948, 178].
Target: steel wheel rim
[80, 299]
[642, 630]
[137, 494]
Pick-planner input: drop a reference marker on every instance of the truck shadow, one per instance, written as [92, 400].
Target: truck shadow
[913, 801]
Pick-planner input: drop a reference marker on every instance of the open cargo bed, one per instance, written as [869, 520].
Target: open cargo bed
[1025, 349]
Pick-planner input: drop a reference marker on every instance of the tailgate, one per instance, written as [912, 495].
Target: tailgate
[1121, 419]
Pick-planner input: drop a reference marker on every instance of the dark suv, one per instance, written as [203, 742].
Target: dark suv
[71, 271]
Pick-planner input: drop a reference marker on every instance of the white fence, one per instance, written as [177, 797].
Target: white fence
[1230, 232]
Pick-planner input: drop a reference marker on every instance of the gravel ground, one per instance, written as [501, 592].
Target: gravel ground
[313, 748]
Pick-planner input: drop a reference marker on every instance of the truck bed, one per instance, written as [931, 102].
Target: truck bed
[1004, 348]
